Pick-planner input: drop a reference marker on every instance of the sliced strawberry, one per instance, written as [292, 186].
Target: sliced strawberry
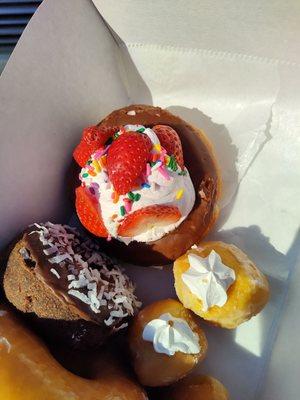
[126, 160]
[88, 212]
[92, 139]
[170, 140]
[144, 219]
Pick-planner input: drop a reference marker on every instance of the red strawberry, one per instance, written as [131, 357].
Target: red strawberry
[92, 139]
[145, 218]
[88, 212]
[126, 160]
[170, 140]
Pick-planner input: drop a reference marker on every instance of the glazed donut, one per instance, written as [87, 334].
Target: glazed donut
[192, 152]
[29, 372]
[199, 387]
[166, 343]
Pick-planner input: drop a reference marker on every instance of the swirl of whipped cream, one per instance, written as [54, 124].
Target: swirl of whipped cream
[169, 335]
[157, 191]
[208, 279]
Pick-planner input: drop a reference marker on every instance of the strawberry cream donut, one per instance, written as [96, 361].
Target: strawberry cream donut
[149, 184]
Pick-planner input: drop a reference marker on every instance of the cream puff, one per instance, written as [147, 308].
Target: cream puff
[218, 282]
[165, 343]
[69, 289]
[149, 184]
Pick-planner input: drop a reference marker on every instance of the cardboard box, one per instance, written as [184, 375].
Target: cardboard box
[231, 68]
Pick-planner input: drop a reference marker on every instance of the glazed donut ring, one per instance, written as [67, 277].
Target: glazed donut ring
[29, 372]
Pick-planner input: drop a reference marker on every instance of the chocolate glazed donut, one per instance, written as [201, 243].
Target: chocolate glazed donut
[200, 162]
[69, 290]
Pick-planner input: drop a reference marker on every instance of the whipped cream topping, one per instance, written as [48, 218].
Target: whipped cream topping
[174, 190]
[169, 335]
[208, 279]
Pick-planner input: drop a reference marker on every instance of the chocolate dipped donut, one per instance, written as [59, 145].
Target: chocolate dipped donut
[72, 292]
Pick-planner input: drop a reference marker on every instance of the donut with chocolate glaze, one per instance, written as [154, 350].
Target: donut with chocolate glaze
[201, 164]
[71, 291]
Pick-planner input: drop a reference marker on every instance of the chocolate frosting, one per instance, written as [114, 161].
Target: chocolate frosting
[59, 281]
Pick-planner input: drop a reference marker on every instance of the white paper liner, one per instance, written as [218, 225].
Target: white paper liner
[64, 75]
[229, 96]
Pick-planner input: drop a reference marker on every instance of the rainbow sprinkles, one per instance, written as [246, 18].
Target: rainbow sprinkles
[163, 182]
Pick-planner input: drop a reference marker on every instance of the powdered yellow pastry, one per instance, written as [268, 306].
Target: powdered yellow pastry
[197, 388]
[220, 284]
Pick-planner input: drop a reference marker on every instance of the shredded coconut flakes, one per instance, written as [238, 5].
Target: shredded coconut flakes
[92, 277]
[54, 272]
[24, 253]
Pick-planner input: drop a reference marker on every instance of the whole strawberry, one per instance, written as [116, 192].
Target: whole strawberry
[126, 160]
[93, 138]
[170, 140]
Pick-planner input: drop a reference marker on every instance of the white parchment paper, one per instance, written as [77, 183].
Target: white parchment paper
[229, 97]
[75, 64]
[61, 77]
